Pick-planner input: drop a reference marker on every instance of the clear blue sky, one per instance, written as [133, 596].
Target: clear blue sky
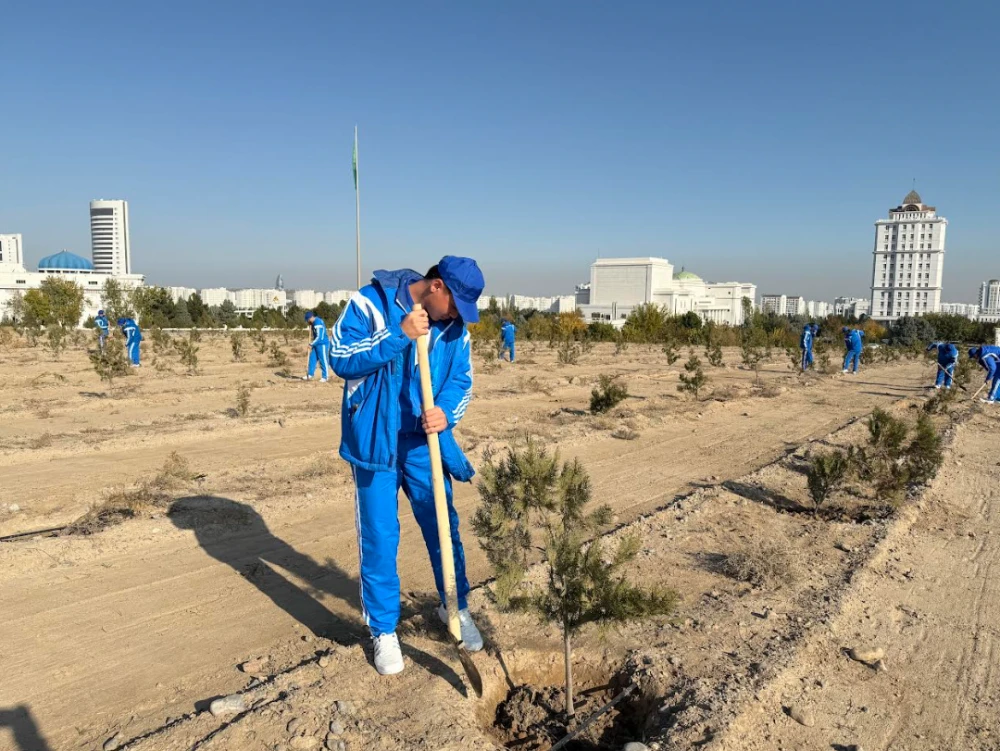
[748, 141]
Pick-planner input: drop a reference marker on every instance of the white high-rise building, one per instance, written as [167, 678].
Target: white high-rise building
[111, 248]
[989, 296]
[776, 304]
[11, 252]
[908, 265]
[213, 296]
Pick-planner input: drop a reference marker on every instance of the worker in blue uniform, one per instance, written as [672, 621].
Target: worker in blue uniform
[947, 358]
[988, 356]
[507, 334]
[319, 346]
[133, 338]
[102, 326]
[384, 427]
[854, 344]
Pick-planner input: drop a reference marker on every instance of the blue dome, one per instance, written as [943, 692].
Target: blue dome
[65, 260]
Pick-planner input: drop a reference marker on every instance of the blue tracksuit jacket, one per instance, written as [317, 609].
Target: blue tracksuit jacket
[806, 345]
[509, 331]
[367, 350]
[947, 357]
[133, 335]
[382, 438]
[319, 347]
[101, 322]
[989, 358]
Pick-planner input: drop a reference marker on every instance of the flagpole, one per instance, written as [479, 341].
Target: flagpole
[357, 204]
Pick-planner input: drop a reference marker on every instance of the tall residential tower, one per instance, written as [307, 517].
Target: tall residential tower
[109, 237]
[909, 261]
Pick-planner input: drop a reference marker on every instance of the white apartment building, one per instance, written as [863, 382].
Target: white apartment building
[818, 309]
[248, 300]
[969, 310]
[795, 305]
[306, 298]
[618, 285]
[215, 296]
[989, 296]
[181, 293]
[11, 253]
[111, 247]
[908, 265]
[776, 304]
[337, 296]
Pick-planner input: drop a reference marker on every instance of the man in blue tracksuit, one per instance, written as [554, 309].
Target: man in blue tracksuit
[101, 324]
[854, 345]
[133, 335]
[319, 346]
[947, 358]
[806, 345]
[384, 428]
[507, 332]
[989, 357]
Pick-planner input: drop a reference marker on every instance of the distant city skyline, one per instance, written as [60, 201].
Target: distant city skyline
[752, 142]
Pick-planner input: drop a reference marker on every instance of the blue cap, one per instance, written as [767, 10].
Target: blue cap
[974, 353]
[465, 282]
[121, 321]
[310, 314]
[100, 312]
[845, 329]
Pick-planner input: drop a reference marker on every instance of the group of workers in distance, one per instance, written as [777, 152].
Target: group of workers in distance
[987, 356]
[129, 328]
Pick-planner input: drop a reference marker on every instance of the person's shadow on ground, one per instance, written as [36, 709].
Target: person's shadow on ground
[27, 736]
[235, 534]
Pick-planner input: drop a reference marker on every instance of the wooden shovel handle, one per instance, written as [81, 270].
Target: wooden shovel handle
[440, 497]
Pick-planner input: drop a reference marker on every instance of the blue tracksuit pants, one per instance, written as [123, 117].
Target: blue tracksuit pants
[507, 346]
[318, 353]
[133, 351]
[945, 374]
[807, 357]
[993, 390]
[853, 355]
[376, 503]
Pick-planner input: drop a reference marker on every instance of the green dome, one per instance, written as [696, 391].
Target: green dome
[687, 275]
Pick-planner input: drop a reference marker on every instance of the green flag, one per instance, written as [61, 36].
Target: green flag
[354, 161]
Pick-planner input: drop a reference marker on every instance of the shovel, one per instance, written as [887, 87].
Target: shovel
[443, 522]
[952, 377]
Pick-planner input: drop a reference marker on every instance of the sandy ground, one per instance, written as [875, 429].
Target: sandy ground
[132, 630]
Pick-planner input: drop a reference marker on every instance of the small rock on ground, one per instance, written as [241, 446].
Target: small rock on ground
[304, 742]
[113, 742]
[802, 716]
[233, 704]
[635, 746]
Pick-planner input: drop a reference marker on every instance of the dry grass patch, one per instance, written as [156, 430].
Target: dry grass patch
[146, 496]
[762, 562]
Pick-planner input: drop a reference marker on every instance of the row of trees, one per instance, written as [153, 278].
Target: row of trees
[59, 303]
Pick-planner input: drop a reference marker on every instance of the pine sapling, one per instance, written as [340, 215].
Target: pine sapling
[713, 353]
[243, 399]
[112, 362]
[238, 342]
[188, 351]
[924, 455]
[278, 358]
[826, 473]
[694, 380]
[607, 395]
[670, 350]
[527, 495]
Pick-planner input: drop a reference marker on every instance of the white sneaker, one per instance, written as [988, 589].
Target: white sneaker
[471, 637]
[309, 378]
[845, 372]
[388, 657]
[938, 388]
[322, 380]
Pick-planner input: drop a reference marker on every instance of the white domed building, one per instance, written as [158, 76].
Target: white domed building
[618, 285]
[15, 279]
